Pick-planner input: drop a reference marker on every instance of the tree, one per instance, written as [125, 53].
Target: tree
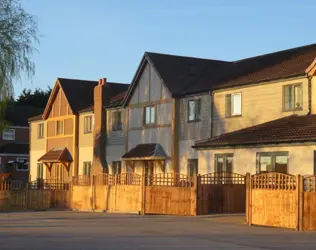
[18, 34]
[38, 98]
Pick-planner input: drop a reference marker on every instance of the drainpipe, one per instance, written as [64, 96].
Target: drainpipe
[212, 109]
[309, 95]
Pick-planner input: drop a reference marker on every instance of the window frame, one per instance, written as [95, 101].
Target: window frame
[225, 155]
[197, 110]
[230, 113]
[273, 155]
[293, 85]
[18, 160]
[40, 130]
[86, 130]
[150, 115]
[86, 165]
[117, 126]
[62, 130]
[116, 164]
[7, 138]
[189, 164]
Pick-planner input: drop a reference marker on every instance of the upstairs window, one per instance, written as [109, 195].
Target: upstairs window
[272, 162]
[192, 167]
[194, 110]
[8, 134]
[87, 168]
[233, 104]
[40, 131]
[59, 127]
[149, 115]
[292, 97]
[87, 127]
[116, 167]
[117, 121]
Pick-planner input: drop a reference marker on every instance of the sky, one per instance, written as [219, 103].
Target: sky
[92, 39]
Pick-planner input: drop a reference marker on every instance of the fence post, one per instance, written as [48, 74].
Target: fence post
[300, 202]
[143, 194]
[196, 190]
[247, 197]
[93, 192]
[27, 195]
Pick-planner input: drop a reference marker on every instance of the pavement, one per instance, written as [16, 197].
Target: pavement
[87, 230]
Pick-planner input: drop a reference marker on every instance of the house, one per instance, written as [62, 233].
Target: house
[14, 142]
[183, 115]
[264, 119]
[70, 132]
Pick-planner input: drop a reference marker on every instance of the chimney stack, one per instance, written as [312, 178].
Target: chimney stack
[101, 97]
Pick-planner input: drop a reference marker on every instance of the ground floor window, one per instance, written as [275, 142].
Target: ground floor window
[224, 162]
[40, 173]
[272, 162]
[116, 167]
[86, 168]
[22, 164]
[192, 167]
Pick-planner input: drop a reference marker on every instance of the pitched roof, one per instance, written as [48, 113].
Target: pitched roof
[18, 115]
[15, 148]
[147, 150]
[188, 75]
[79, 93]
[290, 129]
[56, 155]
[117, 100]
[36, 118]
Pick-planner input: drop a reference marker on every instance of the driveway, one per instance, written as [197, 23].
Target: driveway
[83, 230]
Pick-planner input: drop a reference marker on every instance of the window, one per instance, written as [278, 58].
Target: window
[86, 168]
[22, 164]
[224, 163]
[60, 127]
[149, 115]
[192, 167]
[116, 167]
[194, 110]
[233, 104]
[40, 130]
[40, 172]
[117, 121]
[292, 97]
[272, 162]
[8, 134]
[87, 128]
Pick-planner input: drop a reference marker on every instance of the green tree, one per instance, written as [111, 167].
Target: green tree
[38, 98]
[18, 34]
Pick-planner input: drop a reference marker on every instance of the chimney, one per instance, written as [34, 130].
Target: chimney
[101, 97]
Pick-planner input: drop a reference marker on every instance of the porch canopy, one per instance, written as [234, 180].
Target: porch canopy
[148, 151]
[56, 155]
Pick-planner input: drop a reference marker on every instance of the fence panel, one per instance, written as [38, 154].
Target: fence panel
[274, 200]
[173, 194]
[221, 192]
[309, 203]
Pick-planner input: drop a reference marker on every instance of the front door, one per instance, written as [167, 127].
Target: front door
[149, 171]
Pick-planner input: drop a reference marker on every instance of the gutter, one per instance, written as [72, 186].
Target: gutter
[212, 111]
[309, 95]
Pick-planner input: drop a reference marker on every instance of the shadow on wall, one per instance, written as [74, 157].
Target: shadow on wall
[99, 152]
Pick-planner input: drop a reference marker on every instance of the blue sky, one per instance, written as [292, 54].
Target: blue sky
[91, 39]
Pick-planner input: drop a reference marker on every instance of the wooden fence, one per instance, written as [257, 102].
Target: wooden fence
[221, 192]
[281, 200]
[166, 193]
[39, 195]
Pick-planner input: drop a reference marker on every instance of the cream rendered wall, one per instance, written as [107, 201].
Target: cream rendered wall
[85, 143]
[260, 103]
[301, 159]
[186, 152]
[37, 148]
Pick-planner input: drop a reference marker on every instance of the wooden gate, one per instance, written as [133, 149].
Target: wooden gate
[221, 192]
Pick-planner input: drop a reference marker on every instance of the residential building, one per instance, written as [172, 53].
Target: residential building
[14, 142]
[183, 115]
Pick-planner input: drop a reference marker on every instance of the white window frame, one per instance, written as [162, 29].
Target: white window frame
[117, 125]
[85, 165]
[232, 103]
[152, 115]
[61, 131]
[21, 160]
[40, 131]
[7, 137]
[86, 120]
[196, 112]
